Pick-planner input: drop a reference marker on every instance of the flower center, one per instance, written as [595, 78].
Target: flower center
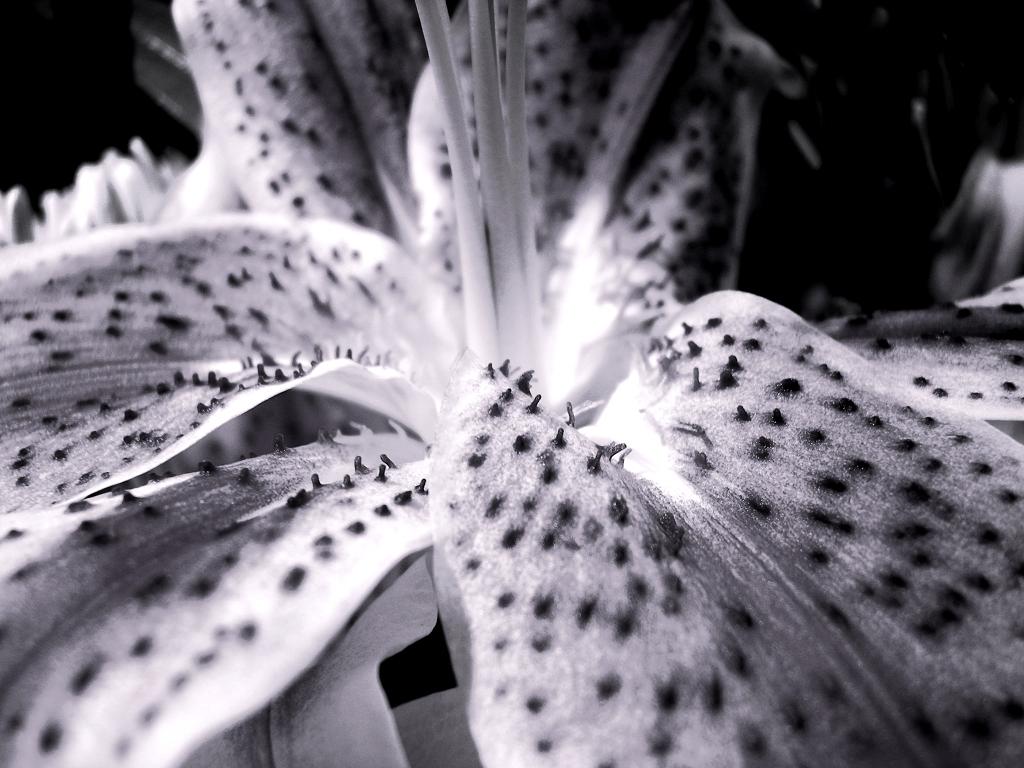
[497, 250]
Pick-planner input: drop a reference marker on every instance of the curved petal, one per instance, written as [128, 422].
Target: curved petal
[203, 189]
[980, 235]
[276, 109]
[293, 129]
[790, 602]
[135, 628]
[967, 357]
[127, 345]
[642, 123]
[675, 216]
[338, 706]
[583, 60]
[378, 52]
[435, 732]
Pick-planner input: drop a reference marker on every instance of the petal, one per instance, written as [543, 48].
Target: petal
[289, 128]
[204, 188]
[967, 357]
[133, 631]
[743, 611]
[337, 707]
[980, 234]
[642, 123]
[127, 345]
[295, 417]
[675, 216]
[378, 52]
[435, 732]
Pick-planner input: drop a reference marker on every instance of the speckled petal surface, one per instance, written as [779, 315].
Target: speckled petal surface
[278, 110]
[124, 346]
[678, 208]
[134, 628]
[377, 50]
[769, 596]
[967, 357]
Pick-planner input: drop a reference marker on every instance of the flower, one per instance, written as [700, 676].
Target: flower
[812, 553]
[117, 189]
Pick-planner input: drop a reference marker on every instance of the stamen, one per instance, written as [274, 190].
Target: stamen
[519, 151]
[517, 324]
[481, 318]
[496, 241]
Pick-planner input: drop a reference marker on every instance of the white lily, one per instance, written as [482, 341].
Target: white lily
[813, 555]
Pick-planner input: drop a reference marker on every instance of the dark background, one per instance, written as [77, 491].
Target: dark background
[70, 91]
[860, 223]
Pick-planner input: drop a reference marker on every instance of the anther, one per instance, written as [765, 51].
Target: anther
[612, 448]
[523, 382]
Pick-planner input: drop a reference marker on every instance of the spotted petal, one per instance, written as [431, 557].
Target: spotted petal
[577, 53]
[125, 346]
[134, 628]
[337, 707]
[820, 578]
[301, 136]
[966, 357]
[675, 212]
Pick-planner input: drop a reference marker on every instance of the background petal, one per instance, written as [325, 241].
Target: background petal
[967, 357]
[435, 731]
[377, 50]
[276, 108]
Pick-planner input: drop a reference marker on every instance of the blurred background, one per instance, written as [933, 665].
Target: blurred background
[908, 105]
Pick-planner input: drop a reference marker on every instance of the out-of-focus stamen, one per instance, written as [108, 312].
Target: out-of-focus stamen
[478, 297]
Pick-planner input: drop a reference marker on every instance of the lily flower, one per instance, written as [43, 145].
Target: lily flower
[770, 543]
[117, 189]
